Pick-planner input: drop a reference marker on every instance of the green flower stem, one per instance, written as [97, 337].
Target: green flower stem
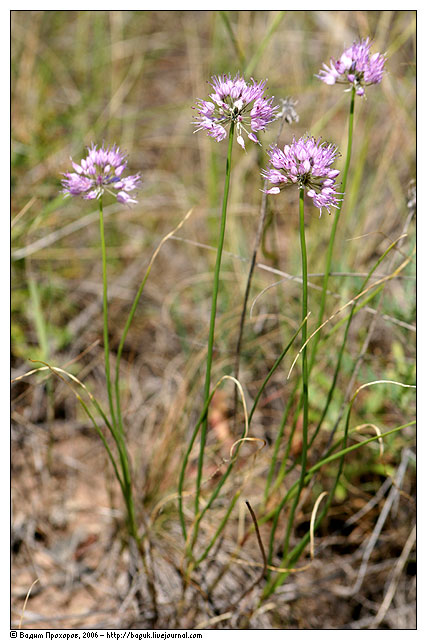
[304, 373]
[213, 314]
[116, 431]
[321, 313]
[105, 313]
[283, 471]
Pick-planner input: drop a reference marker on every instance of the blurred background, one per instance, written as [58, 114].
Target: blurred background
[132, 78]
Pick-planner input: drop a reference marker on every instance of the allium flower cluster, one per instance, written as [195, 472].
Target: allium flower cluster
[101, 171]
[355, 67]
[235, 100]
[307, 163]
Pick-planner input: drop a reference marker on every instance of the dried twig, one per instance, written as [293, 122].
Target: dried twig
[25, 603]
[392, 496]
[399, 566]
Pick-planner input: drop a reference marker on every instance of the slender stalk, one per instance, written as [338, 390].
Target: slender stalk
[322, 304]
[213, 313]
[304, 373]
[283, 470]
[105, 312]
[116, 432]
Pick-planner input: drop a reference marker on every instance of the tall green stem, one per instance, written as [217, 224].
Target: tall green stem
[213, 313]
[304, 372]
[117, 433]
[105, 312]
[322, 304]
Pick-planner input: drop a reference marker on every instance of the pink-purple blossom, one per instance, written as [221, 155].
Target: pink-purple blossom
[307, 163]
[356, 67]
[101, 171]
[235, 100]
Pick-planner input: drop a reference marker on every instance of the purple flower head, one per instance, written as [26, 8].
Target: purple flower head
[234, 100]
[355, 67]
[101, 171]
[306, 162]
